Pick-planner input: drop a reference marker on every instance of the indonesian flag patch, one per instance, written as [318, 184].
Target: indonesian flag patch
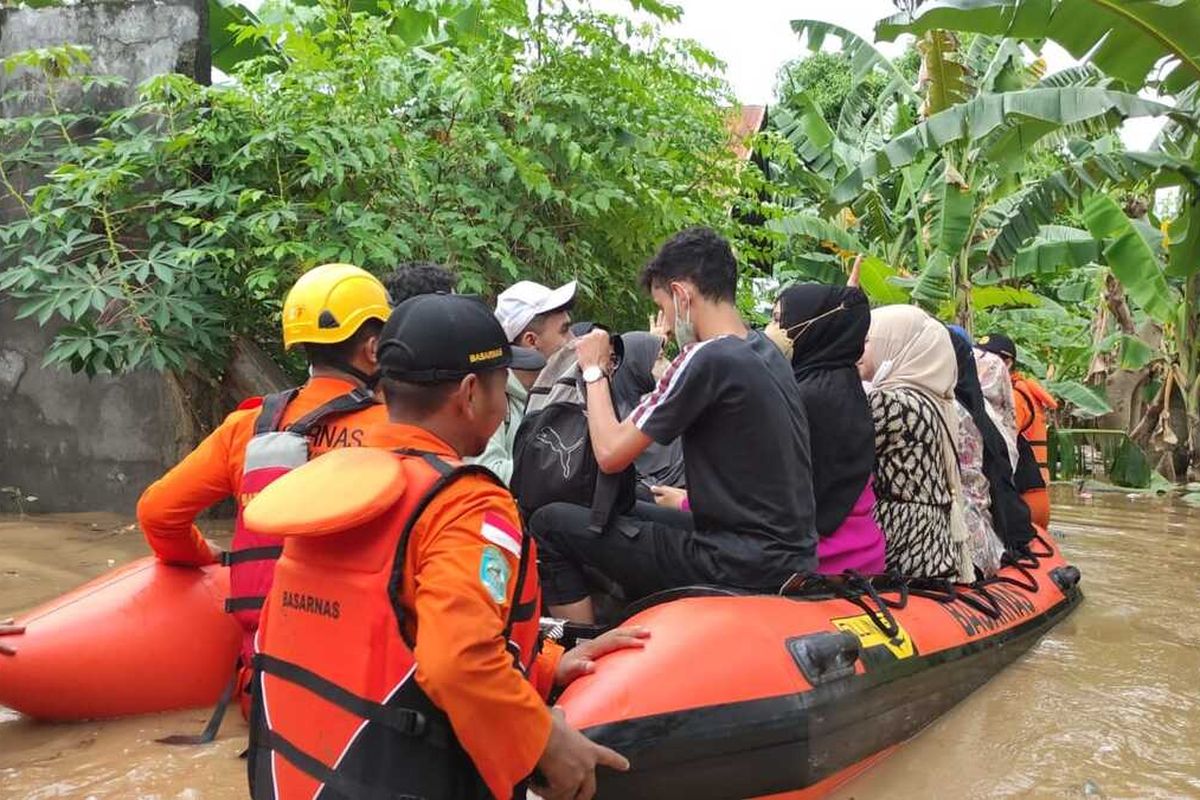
[500, 532]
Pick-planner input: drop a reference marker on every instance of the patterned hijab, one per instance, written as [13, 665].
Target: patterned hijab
[1010, 516]
[996, 383]
[912, 350]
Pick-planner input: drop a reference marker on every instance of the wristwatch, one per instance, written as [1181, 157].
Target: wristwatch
[592, 374]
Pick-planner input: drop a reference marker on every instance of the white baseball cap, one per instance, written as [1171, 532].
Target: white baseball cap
[520, 303]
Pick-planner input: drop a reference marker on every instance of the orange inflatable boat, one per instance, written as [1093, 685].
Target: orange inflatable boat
[734, 696]
[742, 696]
[144, 637]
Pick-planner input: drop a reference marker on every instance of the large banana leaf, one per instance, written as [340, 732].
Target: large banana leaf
[875, 218]
[954, 213]
[1129, 466]
[864, 58]
[1124, 38]
[803, 124]
[813, 227]
[869, 113]
[877, 279]
[811, 267]
[1017, 218]
[986, 114]
[945, 75]
[1002, 69]
[1088, 401]
[1078, 75]
[993, 298]
[1130, 257]
[1185, 240]
[1055, 246]
[1180, 134]
[988, 297]
[225, 19]
[935, 284]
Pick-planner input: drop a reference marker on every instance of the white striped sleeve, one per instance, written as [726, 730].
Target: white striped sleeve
[668, 388]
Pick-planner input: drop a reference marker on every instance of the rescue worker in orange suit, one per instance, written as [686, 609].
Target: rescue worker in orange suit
[1031, 401]
[335, 312]
[399, 652]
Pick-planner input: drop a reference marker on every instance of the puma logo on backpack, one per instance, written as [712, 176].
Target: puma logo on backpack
[550, 438]
[553, 460]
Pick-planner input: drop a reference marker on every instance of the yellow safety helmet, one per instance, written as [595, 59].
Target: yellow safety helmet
[330, 303]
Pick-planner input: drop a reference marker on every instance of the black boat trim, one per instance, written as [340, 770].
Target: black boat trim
[790, 742]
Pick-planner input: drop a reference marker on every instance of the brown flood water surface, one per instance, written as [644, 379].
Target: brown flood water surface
[1106, 706]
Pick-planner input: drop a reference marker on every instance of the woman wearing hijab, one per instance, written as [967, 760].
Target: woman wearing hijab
[821, 330]
[1009, 514]
[986, 549]
[996, 383]
[910, 363]
[658, 465]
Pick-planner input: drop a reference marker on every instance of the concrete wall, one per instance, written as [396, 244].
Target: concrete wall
[79, 443]
[136, 39]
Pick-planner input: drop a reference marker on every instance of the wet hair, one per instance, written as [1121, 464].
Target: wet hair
[699, 255]
[337, 355]
[418, 277]
[417, 401]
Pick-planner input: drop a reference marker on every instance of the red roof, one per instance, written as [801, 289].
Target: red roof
[743, 122]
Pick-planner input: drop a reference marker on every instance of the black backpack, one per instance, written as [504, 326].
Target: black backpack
[553, 460]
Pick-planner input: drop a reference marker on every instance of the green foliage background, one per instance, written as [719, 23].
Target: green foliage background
[559, 146]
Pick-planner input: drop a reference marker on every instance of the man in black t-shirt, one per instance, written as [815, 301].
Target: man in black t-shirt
[731, 398]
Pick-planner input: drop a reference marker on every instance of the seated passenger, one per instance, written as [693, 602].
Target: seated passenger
[1031, 401]
[731, 398]
[660, 464]
[418, 277]
[996, 384]
[989, 488]
[537, 320]
[986, 549]
[911, 366]
[822, 330]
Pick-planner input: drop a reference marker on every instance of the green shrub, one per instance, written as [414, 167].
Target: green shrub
[562, 146]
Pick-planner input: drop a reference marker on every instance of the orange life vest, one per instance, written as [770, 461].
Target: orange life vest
[1031, 402]
[270, 454]
[337, 711]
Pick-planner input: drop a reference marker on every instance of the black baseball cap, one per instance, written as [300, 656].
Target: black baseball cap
[999, 344]
[432, 338]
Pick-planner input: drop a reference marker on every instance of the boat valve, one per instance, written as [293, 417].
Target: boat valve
[1065, 578]
[825, 657]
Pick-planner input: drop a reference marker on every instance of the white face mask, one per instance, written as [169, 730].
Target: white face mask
[884, 370]
[685, 331]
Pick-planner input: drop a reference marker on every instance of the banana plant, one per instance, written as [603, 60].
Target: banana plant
[1149, 45]
[1149, 42]
[938, 190]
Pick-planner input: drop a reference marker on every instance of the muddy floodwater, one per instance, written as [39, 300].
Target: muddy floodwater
[1106, 706]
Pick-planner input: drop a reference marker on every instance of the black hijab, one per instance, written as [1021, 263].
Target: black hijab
[658, 464]
[1010, 515]
[824, 360]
